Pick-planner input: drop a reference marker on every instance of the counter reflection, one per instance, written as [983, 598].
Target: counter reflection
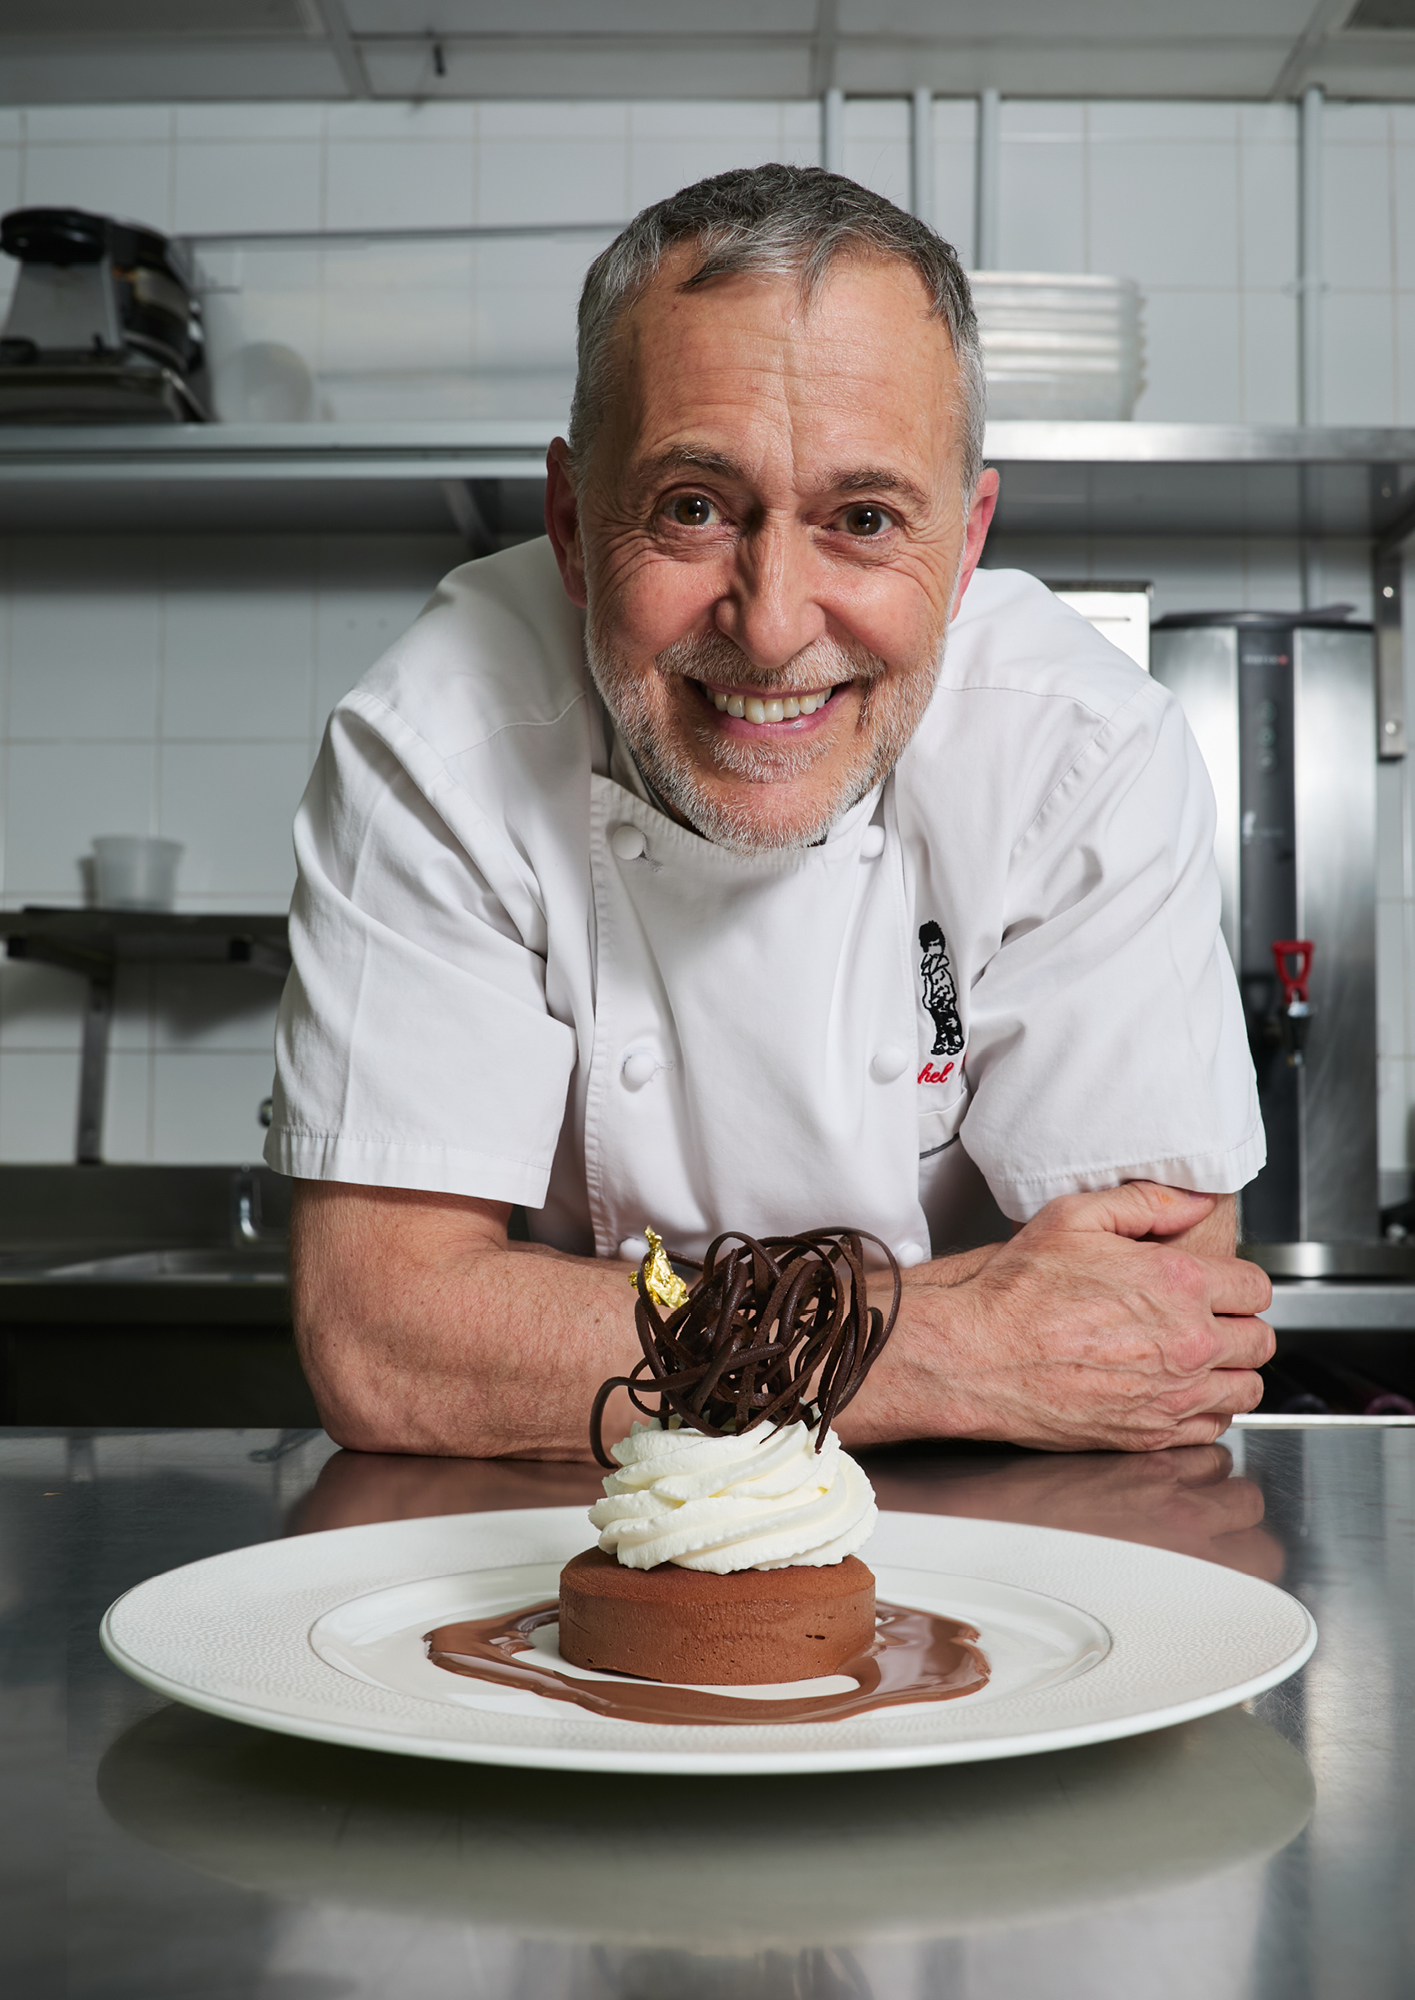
[1190, 1500]
[868, 1886]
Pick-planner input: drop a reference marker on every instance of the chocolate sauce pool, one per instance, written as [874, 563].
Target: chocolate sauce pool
[916, 1656]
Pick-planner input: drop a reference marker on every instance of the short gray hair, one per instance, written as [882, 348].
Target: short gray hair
[776, 220]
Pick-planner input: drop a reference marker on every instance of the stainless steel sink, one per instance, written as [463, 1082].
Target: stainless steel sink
[175, 1246]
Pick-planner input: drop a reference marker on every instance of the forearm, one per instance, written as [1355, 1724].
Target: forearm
[438, 1337]
[1072, 1336]
[911, 1392]
[422, 1330]
[1112, 1321]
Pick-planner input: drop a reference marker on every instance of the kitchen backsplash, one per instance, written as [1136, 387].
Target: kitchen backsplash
[179, 685]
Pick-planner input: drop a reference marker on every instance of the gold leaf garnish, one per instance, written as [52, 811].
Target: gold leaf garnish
[665, 1287]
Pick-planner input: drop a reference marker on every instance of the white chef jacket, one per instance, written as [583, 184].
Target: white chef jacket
[515, 978]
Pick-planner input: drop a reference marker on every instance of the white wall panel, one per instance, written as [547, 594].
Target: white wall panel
[1193, 357]
[182, 687]
[266, 183]
[126, 177]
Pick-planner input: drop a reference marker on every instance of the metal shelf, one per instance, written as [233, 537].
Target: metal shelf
[1058, 478]
[93, 943]
[266, 478]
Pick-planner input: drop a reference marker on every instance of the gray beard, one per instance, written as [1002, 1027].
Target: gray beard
[892, 707]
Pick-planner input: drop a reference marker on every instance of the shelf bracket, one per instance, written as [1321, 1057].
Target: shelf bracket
[96, 968]
[93, 1068]
[1387, 593]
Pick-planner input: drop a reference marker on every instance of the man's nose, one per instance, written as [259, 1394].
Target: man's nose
[771, 608]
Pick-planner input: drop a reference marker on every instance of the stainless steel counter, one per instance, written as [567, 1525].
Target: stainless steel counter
[1268, 1851]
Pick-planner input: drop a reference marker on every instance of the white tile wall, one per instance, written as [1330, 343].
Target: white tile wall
[1196, 201]
[176, 686]
[180, 687]
[955, 171]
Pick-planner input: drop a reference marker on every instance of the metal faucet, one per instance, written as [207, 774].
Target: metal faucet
[247, 1229]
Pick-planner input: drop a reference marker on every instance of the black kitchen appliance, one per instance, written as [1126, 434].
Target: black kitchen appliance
[104, 325]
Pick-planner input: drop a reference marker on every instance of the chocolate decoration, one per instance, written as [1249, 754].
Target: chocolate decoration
[771, 1332]
[916, 1656]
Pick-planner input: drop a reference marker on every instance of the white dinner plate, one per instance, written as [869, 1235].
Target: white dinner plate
[322, 1636]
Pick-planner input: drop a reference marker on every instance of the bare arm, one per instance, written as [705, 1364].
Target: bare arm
[422, 1329]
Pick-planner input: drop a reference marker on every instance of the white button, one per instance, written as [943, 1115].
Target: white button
[628, 843]
[911, 1253]
[634, 1249]
[872, 844]
[888, 1063]
[639, 1068]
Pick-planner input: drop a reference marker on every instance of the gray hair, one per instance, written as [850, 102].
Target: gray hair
[772, 220]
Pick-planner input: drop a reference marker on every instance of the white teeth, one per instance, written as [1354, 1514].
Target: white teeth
[785, 708]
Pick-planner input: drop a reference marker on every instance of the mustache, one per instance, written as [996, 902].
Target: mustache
[824, 663]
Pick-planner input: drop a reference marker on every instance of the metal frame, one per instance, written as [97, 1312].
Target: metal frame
[93, 943]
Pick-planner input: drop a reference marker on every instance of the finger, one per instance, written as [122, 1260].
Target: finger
[1237, 1286]
[1242, 1342]
[1240, 1504]
[1137, 1208]
[1203, 1465]
[1190, 1430]
[1231, 1392]
[1218, 1395]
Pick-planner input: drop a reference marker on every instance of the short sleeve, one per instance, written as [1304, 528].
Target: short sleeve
[414, 1047]
[1106, 1037]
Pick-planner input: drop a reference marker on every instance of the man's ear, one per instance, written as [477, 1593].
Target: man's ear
[562, 521]
[980, 515]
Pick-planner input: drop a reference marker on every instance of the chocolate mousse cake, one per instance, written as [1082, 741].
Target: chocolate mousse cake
[731, 1517]
[754, 1625]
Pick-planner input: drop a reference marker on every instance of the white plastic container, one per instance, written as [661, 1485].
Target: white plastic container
[1059, 345]
[131, 872]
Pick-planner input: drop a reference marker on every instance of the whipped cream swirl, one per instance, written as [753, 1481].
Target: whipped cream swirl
[763, 1500]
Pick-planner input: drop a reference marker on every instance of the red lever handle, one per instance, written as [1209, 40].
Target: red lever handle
[1294, 983]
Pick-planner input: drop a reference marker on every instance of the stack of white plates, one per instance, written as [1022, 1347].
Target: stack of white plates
[1060, 345]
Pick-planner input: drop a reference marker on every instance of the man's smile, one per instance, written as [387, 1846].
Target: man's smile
[771, 707]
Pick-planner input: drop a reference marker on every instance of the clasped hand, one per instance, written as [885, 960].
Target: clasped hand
[1092, 1329]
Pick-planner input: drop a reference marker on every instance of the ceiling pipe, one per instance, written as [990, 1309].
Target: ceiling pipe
[1309, 325]
[921, 155]
[1309, 271]
[344, 48]
[988, 176]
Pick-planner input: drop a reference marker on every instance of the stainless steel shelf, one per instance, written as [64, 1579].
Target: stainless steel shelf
[267, 478]
[1058, 478]
[1317, 1305]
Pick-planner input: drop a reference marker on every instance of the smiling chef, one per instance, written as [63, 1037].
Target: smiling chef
[743, 857]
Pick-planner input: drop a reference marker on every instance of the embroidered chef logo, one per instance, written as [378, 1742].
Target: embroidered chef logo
[941, 1002]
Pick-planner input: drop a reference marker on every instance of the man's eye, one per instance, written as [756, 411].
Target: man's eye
[691, 510]
[865, 522]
